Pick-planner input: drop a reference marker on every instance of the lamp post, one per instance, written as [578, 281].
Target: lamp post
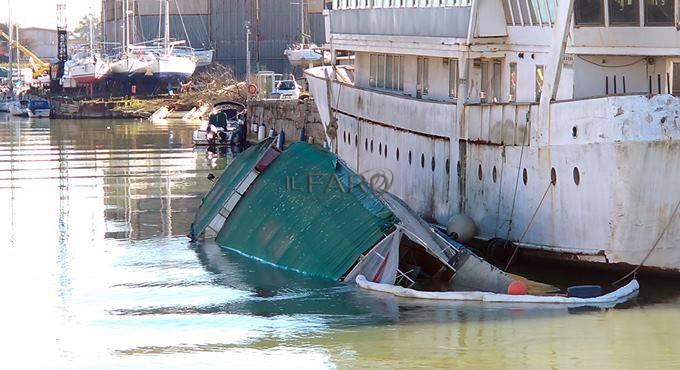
[247, 25]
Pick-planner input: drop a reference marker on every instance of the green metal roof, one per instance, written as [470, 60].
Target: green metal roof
[225, 185]
[301, 214]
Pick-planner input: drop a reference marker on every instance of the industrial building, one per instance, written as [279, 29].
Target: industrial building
[221, 25]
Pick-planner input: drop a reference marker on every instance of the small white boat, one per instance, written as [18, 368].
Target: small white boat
[304, 55]
[5, 103]
[19, 108]
[225, 126]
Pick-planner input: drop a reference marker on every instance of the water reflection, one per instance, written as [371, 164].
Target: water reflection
[98, 274]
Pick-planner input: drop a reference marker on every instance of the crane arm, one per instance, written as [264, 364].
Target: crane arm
[42, 65]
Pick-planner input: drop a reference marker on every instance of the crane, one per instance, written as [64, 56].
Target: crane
[40, 67]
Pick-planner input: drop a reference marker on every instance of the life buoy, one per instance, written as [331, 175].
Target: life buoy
[252, 89]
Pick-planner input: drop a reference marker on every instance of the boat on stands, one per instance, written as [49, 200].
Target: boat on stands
[305, 53]
[548, 128]
[86, 68]
[151, 66]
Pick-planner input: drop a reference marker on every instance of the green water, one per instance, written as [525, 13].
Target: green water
[96, 273]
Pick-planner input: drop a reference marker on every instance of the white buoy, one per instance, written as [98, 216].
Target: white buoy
[461, 228]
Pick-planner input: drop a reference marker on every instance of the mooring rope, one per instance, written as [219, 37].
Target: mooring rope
[526, 229]
[656, 243]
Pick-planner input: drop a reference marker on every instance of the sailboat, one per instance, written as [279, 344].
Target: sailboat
[152, 67]
[87, 67]
[304, 53]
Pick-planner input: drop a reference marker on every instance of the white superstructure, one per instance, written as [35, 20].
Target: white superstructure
[551, 123]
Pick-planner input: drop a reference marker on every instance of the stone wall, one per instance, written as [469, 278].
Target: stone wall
[289, 116]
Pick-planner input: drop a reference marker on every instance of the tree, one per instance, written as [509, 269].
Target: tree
[82, 30]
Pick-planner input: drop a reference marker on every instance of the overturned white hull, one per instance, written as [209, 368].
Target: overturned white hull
[304, 56]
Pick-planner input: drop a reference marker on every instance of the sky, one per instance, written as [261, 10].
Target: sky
[42, 13]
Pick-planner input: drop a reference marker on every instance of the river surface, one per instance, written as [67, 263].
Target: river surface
[97, 273]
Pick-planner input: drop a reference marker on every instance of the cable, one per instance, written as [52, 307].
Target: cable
[609, 66]
[656, 243]
[514, 253]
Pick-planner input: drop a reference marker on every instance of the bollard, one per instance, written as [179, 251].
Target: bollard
[261, 132]
[280, 140]
[272, 133]
[303, 134]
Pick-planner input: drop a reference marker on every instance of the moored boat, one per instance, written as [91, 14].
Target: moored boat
[38, 108]
[19, 108]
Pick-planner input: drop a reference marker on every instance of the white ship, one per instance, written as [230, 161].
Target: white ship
[552, 124]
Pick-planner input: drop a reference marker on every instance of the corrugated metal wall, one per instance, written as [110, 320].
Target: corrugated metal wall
[279, 25]
[223, 29]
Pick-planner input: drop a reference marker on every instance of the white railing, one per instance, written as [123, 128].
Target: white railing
[369, 4]
[530, 12]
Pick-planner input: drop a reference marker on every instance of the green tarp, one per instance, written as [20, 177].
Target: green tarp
[301, 214]
[225, 185]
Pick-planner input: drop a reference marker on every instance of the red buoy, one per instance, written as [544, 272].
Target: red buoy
[517, 288]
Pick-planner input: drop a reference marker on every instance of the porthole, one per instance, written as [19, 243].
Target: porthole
[397, 154]
[422, 161]
[380, 148]
[525, 176]
[356, 140]
[344, 137]
[385, 151]
[448, 166]
[553, 176]
[409, 157]
[574, 132]
[366, 145]
[432, 164]
[479, 172]
[494, 174]
[371, 146]
[458, 168]
[577, 176]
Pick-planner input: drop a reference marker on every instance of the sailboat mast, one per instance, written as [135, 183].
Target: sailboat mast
[302, 21]
[91, 37]
[166, 34]
[11, 33]
[126, 9]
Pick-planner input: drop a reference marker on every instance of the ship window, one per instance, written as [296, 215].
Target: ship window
[453, 78]
[373, 70]
[422, 160]
[624, 12]
[422, 84]
[496, 82]
[381, 70]
[513, 82]
[540, 75]
[659, 12]
[386, 71]
[589, 13]
[484, 85]
[389, 67]
[397, 154]
[409, 157]
[676, 79]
